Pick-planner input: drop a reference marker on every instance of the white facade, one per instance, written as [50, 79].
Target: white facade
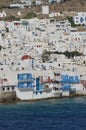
[3, 14]
[28, 2]
[45, 9]
[30, 95]
[65, 93]
[80, 18]
[24, 95]
[38, 2]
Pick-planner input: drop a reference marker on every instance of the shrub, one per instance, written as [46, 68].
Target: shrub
[30, 15]
[11, 18]
[72, 54]
[45, 56]
[70, 19]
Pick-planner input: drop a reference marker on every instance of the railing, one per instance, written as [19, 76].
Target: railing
[26, 80]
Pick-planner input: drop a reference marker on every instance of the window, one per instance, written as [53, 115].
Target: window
[40, 92]
[3, 89]
[22, 68]
[8, 88]
[36, 93]
[55, 59]
[77, 18]
[59, 65]
[13, 88]
[77, 22]
[58, 74]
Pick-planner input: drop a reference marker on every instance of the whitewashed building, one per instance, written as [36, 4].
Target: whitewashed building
[80, 18]
[58, 1]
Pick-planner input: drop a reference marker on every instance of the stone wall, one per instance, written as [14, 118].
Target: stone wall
[7, 97]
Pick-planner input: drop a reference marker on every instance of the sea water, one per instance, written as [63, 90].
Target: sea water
[55, 114]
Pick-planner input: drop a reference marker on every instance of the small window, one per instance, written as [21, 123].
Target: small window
[8, 88]
[77, 22]
[55, 59]
[40, 92]
[57, 88]
[22, 68]
[77, 18]
[13, 88]
[58, 74]
[12, 63]
[58, 64]
[36, 93]
[3, 89]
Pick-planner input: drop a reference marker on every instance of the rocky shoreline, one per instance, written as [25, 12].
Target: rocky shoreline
[13, 99]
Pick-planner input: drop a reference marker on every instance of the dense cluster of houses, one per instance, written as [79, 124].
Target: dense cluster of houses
[22, 45]
[28, 3]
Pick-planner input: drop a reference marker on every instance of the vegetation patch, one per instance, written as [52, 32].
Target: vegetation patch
[70, 19]
[11, 18]
[30, 15]
[66, 53]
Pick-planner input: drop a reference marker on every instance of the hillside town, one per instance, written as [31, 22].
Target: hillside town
[42, 58]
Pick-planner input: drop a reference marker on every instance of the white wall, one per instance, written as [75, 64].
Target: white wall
[25, 95]
[29, 95]
[45, 9]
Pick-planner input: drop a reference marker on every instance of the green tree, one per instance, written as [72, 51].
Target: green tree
[45, 56]
[11, 17]
[70, 19]
[30, 15]
[72, 54]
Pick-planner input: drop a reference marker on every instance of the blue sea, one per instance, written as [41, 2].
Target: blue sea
[55, 114]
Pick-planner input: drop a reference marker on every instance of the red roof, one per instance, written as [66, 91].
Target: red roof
[26, 57]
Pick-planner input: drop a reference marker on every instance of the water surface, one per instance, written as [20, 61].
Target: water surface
[55, 114]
